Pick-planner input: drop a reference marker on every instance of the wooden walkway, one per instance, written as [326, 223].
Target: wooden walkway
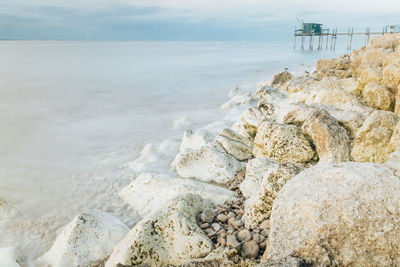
[326, 34]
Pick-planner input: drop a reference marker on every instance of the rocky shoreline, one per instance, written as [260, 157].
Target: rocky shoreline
[309, 175]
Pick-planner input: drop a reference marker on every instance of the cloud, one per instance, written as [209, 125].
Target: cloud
[183, 19]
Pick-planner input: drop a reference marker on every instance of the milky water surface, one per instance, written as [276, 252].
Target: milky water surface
[73, 114]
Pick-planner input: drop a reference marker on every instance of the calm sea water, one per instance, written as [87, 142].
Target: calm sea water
[72, 114]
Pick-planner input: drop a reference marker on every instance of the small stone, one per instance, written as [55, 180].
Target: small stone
[240, 212]
[232, 242]
[236, 206]
[250, 249]
[237, 223]
[209, 230]
[257, 231]
[222, 218]
[222, 230]
[239, 216]
[204, 225]
[207, 216]
[216, 227]
[244, 235]
[258, 238]
[222, 241]
[231, 214]
[231, 220]
[263, 245]
[264, 225]
[209, 235]
[231, 231]
[265, 232]
[222, 235]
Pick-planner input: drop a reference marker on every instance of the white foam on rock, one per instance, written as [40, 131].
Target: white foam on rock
[149, 191]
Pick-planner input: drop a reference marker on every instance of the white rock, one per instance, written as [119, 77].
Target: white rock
[282, 142]
[342, 214]
[209, 164]
[168, 236]
[255, 170]
[9, 257]
[234, 144]
[258, 206]
[372, 142]
[193, 140]
[329, 137]
[149, 192]
[90, 237]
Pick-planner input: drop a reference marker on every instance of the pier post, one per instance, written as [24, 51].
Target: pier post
[334, 44]
[327, 39]
[351, 38]
[311, 46]
[302, 42]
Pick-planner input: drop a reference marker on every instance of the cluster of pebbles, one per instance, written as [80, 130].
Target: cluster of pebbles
[224, 226]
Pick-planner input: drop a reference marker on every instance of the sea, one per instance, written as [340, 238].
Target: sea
[79, 120]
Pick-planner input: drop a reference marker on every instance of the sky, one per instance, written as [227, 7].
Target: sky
[253, 20]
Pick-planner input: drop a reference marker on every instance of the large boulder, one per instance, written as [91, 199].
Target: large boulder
[379, 96]
[149, 192]
[168, 236]
[284, 143]
[10, 257]
[210, 163]
[329, 137]
[342, 214]
[372, 142]
[258, 206]
[90, 237]
[235, 145]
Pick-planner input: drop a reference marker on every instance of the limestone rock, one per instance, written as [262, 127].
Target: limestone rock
[397, 104]
[252, 118]
[330, 96]
[395, 139]
[235, 144]
[255, 170]
[394, 162]
[299, 83]
[281, 78]
[330, 139]
[259, 205]
[193, 140]
[378, 96]
[167, 236]
[9, 257]
[209, 163]
[149, 192]
[372, 140]
[222, 257]
[90, 237]
[349, 115]
[342, 214]
[391, 76]
[284, 143]
[293, 113]
[368, 75]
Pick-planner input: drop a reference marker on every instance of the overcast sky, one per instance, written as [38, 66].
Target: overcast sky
[185, 19]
